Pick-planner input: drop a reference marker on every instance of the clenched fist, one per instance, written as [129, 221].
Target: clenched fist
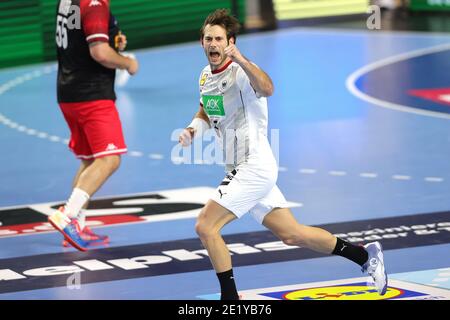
[186, 136]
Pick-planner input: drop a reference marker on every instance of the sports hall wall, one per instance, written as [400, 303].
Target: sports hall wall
[27, 27]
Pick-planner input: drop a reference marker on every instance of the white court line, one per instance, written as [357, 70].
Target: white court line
[40, 134]
[434, 179]
[136, 154]
[21, 128]
[368, 175]
[401, 177]
[308, 171]
[156, 156]
[337, 173]
[351, 81]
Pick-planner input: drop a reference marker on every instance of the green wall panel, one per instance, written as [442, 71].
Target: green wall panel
[27, 27]
[430, 5]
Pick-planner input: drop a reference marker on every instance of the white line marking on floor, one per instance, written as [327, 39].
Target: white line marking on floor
[401, 177]
[351, 81]
[434, 179]
[136, 154]
[337, 173]
[308, 171]
[156, 156]
[368, 175]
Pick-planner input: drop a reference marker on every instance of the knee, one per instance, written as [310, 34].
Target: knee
[293, 239]
[203, 230]
[289, 241]
[112, 163]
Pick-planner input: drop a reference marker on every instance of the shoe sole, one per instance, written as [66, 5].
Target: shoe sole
[384, 290]
[68, 239]
[95, 244]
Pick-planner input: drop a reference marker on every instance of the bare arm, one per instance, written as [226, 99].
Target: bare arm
[201, 114]
[107, 57]
[259, 80]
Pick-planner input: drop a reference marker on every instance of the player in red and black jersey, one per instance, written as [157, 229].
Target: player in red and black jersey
[88, 41]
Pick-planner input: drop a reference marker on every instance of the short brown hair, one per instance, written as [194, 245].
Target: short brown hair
[222, 18]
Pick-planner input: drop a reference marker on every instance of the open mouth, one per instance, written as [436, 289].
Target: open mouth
[214, 54]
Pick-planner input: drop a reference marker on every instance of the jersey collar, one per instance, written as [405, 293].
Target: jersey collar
[223, 68]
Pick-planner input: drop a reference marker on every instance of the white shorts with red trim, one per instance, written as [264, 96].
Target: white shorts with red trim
[95, 127]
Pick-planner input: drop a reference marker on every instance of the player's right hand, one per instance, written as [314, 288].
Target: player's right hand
[186, 136]
[133, 66]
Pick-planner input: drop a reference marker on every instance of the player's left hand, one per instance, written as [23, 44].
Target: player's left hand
[234, 54]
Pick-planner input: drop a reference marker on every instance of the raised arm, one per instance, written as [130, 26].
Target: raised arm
[259, 80]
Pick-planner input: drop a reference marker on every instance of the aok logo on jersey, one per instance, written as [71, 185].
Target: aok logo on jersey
[145, 207]
[213, 105]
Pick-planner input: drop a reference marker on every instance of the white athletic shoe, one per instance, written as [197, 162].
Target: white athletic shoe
[375, 266]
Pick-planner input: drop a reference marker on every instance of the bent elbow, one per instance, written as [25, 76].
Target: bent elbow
[267, 91]
[98, 53]
[98, 56]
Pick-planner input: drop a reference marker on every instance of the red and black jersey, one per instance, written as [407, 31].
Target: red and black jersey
[79, 23]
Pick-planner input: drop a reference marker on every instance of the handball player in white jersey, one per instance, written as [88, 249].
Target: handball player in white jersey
[233, 102]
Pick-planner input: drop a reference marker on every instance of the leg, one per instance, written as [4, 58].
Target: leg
[83, 166]
[71, 202]
[239, 192]
[211, 220]
[92, 175]
[89, 178]
[93, 238]
[209, 223]
[95, 131]
[283, 224]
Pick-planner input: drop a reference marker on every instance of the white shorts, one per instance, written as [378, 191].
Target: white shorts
[252, 189]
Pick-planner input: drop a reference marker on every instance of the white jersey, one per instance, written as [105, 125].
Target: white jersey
[237, 113]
